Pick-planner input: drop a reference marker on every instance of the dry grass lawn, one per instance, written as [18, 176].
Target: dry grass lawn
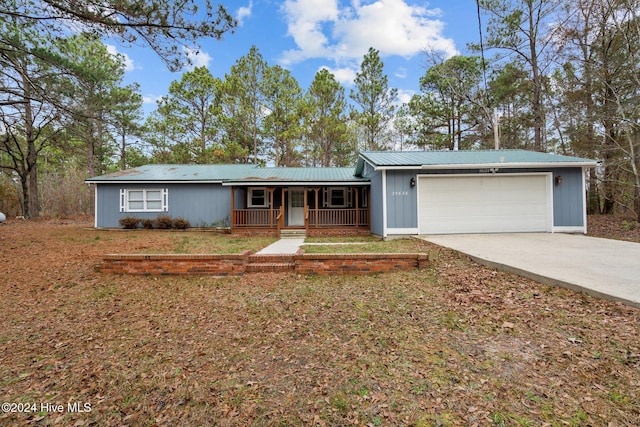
[456, 344]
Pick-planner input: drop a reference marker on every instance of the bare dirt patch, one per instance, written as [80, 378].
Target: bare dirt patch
[456, 344]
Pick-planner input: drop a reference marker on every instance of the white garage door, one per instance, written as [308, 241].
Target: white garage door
[484, 204]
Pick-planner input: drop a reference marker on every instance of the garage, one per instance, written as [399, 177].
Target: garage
[484, 203]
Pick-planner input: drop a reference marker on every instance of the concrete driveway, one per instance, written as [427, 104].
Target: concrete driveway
[600, 267]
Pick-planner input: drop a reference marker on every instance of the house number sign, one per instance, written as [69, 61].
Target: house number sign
[399, 193]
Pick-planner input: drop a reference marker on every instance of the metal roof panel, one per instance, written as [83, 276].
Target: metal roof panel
[227, 173]
[175, 173]
[467, 157]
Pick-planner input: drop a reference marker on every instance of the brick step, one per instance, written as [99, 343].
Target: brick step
[270, 267]
[293, 234]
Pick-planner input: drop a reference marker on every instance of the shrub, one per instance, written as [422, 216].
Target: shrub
[629, 225]
[147, 224]
[181, 223]
[163, 222]
[129, 222]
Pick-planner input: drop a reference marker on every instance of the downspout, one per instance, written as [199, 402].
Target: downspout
[95, 206]
[584, 200]
[384, 203]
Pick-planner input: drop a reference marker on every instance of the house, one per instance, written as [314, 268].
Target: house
[248, 199]
[386, 193]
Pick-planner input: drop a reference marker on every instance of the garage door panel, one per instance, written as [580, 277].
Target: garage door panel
[484, 204]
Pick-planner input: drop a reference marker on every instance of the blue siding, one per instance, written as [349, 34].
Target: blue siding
[375, 202]
[201, 204]
[402, 200]
[568, 198]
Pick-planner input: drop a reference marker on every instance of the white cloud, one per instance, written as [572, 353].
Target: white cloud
[305, 19]
[401, 73]
[126, 60]
[244, 12]
[151, 99]
[326, 29]
[404, 96]
[344, 76]
[197, 58]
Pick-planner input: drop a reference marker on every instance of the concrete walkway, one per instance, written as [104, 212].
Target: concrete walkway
[599, 267]
[289, 245]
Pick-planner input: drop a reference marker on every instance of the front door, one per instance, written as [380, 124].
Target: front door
[296, 207]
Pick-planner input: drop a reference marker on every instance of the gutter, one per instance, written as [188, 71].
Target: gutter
[229, 183]
[293, 183]
[490, 166]
[98, 181]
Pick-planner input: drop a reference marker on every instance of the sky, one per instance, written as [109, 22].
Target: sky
[304, 36]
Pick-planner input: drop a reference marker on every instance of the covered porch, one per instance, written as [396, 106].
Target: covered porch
[316, 209]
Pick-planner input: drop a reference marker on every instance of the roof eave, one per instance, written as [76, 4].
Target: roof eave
[294, 183]
[523, 165]
[148, 181]
[489, 166]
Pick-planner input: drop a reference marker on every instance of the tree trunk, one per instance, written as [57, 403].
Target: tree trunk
[32, 205]
[593, 206]
[636, 201]
[610, 175]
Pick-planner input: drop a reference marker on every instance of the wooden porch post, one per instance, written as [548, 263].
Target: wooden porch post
[232, 222]
[316, 189]
[282, 208]
[271, 190]
[357, 210]
[306, 209]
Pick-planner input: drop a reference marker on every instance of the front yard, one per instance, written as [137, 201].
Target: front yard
[175, 242]
[407, 245]
[456, 344]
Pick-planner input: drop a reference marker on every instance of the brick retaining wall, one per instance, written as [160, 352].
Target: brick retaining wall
[358, 263]
[245, 262]
[176, 264]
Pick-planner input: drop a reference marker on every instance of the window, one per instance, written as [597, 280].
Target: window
[144, 200]
[336, 197]
[258, 198]
[297, 198]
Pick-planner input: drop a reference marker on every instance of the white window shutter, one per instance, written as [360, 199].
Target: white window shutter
[123, 199]
[165, 199]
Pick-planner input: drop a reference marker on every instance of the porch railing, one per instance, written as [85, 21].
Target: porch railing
[338, 217]
[274, 218]
[255, 218]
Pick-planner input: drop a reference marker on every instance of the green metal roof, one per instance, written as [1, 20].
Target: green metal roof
[251, 174]
[176, 173]
[463, 159]
[229, 174]
[298, 175]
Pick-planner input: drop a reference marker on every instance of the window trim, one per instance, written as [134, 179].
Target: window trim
[365, 197]
[125, 201]
[345, 196]
[250, 197]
